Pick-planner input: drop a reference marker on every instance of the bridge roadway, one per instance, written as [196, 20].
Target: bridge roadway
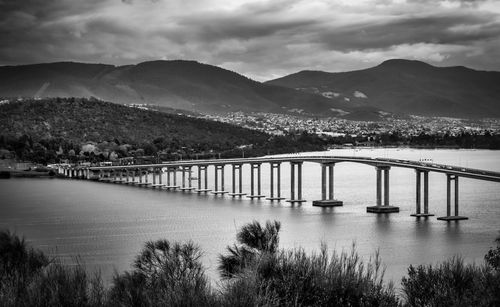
[382, 165]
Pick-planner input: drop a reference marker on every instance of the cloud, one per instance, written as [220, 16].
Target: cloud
[262, 39]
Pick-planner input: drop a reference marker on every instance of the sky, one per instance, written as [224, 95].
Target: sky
[261, 39]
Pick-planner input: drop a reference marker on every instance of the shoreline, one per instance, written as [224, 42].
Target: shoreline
[9, 173]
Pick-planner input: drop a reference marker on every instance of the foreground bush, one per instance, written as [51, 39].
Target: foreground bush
[164, 274]
[29, 278]
[454, 283]
[261, 275]
[253, 242]
[255, 273]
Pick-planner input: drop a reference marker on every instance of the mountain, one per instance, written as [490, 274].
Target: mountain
[410, 87]
[186, 85]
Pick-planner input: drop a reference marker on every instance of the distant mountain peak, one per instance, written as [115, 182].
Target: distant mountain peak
[404, 63]
[409, 87]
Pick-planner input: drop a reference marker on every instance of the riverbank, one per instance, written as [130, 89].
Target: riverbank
[9, 173]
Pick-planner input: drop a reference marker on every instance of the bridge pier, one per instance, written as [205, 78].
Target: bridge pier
[155, 171]
[127, 176]
[202, 169]
[275, 166]
[189, 187]
[237, 168]
[216, 191]
[385, 208]
[330, 201]
[418, 197]
[255, 167]
[171, 176]
[449, 217]
[296, 198]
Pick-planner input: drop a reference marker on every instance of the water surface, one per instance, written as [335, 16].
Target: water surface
[106, 224]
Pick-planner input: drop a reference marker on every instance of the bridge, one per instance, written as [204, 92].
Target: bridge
[139, 175]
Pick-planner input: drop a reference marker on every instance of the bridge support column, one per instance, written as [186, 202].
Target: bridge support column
[296, 198]
[237, 171]
[202, 172]
[327, 201]
[418, 196]
[218, 191]
[139, 174]
[451, 178]
[157, 171]
[171, 178]
[188, 187]
[385, 208]
[255, 168]
[275, 166]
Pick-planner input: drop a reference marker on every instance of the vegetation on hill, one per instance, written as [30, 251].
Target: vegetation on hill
[49, 130]
[168, 273]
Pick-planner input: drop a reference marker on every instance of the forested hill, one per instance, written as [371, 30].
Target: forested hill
[50, 125]
[80, 120]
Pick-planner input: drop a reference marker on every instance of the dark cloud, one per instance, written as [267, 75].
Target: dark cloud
[259, 38]
[439, 29]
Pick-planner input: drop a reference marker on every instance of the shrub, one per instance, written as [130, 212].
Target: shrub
[29, 278]
[254, 241]
[492, 258]
[263, 275]
[164, 274]
[60, 285]
[452, 283]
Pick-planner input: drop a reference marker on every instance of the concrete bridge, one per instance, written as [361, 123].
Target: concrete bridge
[138, 175]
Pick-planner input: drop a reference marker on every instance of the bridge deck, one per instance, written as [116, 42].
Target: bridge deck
[424, 166]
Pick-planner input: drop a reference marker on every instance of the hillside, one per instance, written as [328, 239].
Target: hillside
[186, 85]
[39, 129]
[411, 87]
[80, 120]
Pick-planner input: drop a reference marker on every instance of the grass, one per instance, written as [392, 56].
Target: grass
[254, 272]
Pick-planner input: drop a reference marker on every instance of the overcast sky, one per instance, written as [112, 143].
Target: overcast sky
[262, 39]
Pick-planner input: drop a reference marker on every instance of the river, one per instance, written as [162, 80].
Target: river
[105, 225]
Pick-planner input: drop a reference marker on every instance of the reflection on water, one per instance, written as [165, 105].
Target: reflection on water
[107, 224]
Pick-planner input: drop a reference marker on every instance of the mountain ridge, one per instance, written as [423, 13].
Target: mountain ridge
[408, 86]
[395, 86]
[180, 84]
